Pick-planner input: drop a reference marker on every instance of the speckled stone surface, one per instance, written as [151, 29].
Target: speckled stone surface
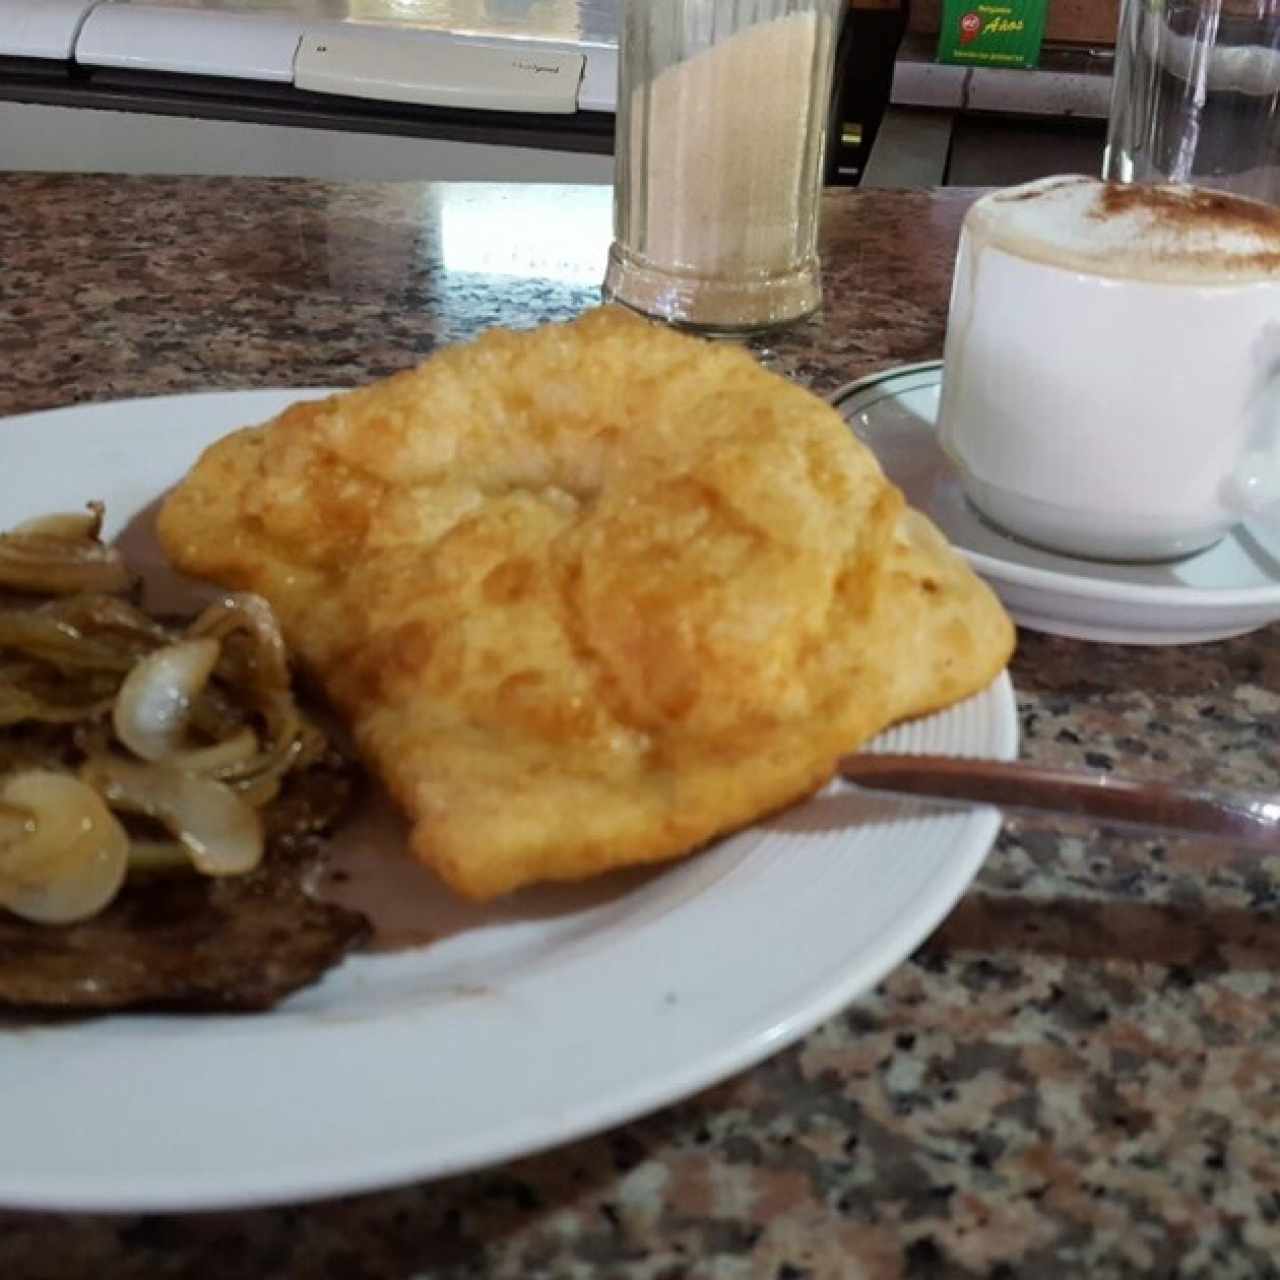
[1078, 1075]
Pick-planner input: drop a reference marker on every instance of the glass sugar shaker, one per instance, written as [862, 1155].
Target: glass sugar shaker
[721, 127]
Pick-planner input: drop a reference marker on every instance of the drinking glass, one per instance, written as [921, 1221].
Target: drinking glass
[1196, 95]
[721, 125]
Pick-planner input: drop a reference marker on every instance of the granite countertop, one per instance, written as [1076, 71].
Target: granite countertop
[1078, 1074]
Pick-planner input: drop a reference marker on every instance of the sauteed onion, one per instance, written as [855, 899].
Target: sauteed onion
[63, 854]
[153, 707]
[60, 555]
[129, 742]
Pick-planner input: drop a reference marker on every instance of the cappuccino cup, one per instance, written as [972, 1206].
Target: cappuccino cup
[1111, 377]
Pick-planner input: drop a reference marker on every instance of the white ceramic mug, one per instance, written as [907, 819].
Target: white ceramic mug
[1111, 383]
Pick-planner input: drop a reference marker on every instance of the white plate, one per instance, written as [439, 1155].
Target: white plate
[547, 1017]
[1227, 590]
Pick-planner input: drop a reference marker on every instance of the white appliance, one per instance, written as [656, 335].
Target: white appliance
[348, 89]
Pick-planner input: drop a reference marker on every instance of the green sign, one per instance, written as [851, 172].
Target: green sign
[1000, 33]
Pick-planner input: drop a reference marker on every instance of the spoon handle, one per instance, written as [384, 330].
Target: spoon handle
[1013, 785]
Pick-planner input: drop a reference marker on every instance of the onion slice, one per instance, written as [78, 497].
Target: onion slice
[70, 526]
[150, 856]
[262, 667]
[154, 703]
[42, 636]
[55, 564]
[65, 857]
[222, 757]
[222, 834]
[17, 705]
[268, 666]
[111, 621]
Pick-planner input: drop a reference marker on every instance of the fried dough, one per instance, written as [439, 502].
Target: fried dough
[590, 595]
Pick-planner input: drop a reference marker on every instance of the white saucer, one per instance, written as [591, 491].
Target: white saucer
[1232, 588]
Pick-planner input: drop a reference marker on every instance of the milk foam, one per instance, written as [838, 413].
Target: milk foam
[1162, 234]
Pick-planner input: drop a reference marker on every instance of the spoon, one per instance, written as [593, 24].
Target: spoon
[1018, 787]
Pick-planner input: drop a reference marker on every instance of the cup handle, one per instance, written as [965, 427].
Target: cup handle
[1253, 488]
